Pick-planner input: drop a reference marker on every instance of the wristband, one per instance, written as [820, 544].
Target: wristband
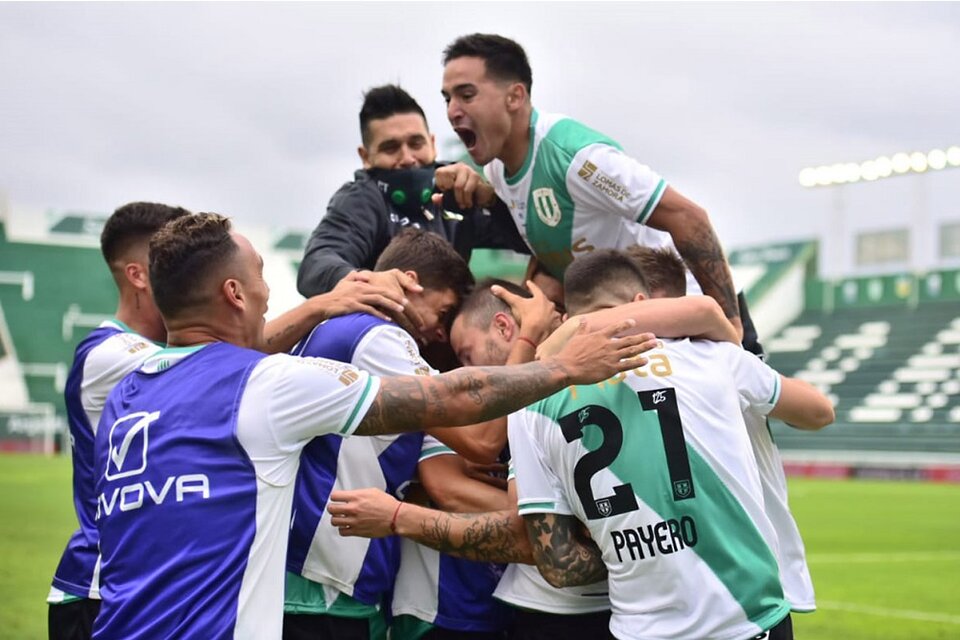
[393, 520]
[528, 341]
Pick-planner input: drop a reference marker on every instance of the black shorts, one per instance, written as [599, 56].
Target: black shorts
[72, 620]
[782, 631]
[538, 625]
[298, 626]
[451, 634]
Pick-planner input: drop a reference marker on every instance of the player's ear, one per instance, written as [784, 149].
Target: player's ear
[136, 274]
[233, 293]
[516, 96]
[364, 156]
[503, 325]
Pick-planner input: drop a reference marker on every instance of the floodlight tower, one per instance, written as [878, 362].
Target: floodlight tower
[898, 164]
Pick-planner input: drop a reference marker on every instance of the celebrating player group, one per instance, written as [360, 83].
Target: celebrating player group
[412, 454]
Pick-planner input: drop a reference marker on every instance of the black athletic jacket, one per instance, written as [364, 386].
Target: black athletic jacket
[361, 220]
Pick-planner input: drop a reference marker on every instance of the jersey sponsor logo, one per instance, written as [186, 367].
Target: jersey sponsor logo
[660, 538]
[344, 372]
[657, 365]
[548, 209]
[127, 442]
[348, 377]
[602, 182]
[132, 496]
[587, 170]
[127, 456]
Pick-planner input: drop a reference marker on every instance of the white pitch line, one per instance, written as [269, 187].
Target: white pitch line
[890, 613]
[916, 556]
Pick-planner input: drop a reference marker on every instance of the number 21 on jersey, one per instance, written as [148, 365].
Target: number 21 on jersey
[623, 500]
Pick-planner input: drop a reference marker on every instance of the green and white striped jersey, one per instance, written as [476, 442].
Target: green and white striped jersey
[575, 192]
[658, 465]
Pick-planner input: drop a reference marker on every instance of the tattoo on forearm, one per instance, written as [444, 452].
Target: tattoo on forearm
[464, 396]
[497, 536]
[702, 251]
[276, 335]
[563, 559]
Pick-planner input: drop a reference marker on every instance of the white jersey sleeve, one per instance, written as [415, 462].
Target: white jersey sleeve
[431, 448]
[106, 365]
[757, 383]
[288, 400]
[538, 488]
[602, 177]
[388, 350]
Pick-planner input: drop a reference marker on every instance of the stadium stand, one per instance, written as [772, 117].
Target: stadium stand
[52, 287]
[887, 351]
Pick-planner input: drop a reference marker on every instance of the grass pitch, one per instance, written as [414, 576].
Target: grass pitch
[885, 556]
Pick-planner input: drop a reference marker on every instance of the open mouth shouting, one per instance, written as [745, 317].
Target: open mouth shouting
[467, 136]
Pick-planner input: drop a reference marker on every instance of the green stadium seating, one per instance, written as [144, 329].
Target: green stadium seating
[893, 372]
[69, 292]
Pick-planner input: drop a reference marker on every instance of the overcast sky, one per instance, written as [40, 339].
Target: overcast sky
[251, 109]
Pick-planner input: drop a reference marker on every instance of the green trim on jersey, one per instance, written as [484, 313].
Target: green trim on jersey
[178, 351]
[536, 507]
[775, 397]
[66, 598]
[356, 407]
[550, 208]
[408, 627]
[308, 597]
[518, 176]
[126, 329]
[435, 451]
[728, 540]
[652, 202]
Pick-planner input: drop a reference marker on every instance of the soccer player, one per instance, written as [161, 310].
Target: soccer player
[399, 157]
[102, 359]
[658, 465]
[335, 588]
[569, 188]
[119, 346]
[199, 447]
[500, 322]
[665, 276]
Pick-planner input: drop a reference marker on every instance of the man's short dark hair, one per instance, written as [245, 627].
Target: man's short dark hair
[602, 274]
[505, 60]
[380, 103]
[436, 263]
[134, 223]
[663, 269]
[479, 308]
[184, 256]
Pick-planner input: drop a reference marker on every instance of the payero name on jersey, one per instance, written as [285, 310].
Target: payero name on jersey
[664, 537]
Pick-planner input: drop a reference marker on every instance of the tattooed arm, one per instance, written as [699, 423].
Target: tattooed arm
[689, 226]
[562, 556]
[476, 394]
[496, 536]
